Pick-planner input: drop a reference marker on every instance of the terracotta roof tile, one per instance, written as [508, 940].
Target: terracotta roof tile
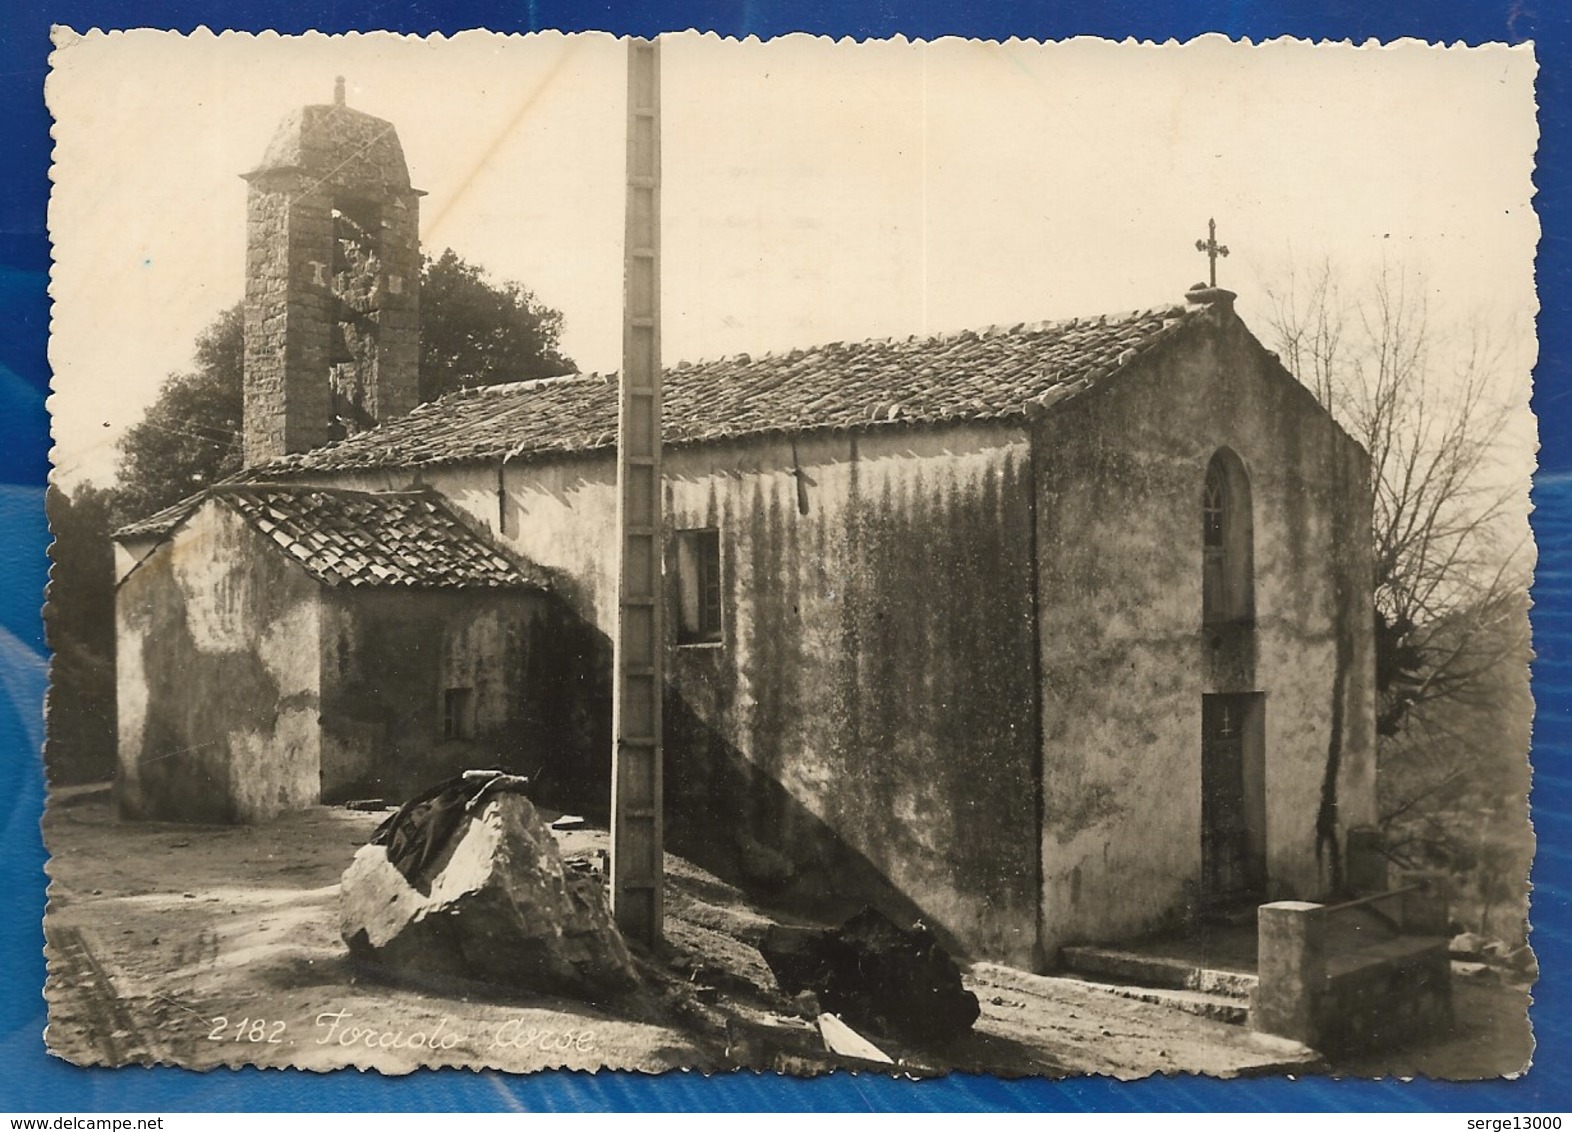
[406, 539]
[971, 376]
[159, 522]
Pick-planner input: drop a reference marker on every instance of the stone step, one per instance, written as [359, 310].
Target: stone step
[1111, 965]
[1218, 1007]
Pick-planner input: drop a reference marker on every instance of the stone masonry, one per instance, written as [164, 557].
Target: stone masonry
[332, 283]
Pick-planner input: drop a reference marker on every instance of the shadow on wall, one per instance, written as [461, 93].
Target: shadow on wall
[196, 701]
[727, 816]
[557, 729]
[574, 682]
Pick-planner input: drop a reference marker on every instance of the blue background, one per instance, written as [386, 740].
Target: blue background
[31, 1079]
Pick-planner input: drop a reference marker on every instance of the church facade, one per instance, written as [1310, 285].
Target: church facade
[1048, 633]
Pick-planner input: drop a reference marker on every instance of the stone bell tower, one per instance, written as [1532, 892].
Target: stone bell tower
[332, 309]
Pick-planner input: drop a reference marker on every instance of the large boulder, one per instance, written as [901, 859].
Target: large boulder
[493, 903]
[880, 977]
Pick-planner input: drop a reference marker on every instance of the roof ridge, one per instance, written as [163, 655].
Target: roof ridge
[979, 373]
[786, 353]
[781, 353]
[292, 487]
[473, 392]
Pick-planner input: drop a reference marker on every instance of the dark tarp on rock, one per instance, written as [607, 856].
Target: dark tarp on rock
[421, 828]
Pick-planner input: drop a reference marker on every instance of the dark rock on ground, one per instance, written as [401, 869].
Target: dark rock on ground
[1468, 947]
[1524, 963]
[891, 981]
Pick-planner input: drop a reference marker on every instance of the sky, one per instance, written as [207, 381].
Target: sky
[813, 191]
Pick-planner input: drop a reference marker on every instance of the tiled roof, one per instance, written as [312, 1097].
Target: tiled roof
[162, 522]
[993, 374]
[407, 539]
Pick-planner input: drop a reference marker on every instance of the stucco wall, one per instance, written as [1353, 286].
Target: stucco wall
[388, 657]
[869, 712]
[1125, 659]
[217, 677]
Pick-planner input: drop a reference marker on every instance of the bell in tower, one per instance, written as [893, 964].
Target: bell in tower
[332, 308]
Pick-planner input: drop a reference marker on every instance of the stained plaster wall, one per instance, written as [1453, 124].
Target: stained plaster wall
[217, 677]
[869, 711]
[865, 730]
[1125, 659]
[388, 657]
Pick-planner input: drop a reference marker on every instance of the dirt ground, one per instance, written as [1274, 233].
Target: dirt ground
[1489, 1038]
[208, 946]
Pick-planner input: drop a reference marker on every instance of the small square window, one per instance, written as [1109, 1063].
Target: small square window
[698, 587]
[458, 713]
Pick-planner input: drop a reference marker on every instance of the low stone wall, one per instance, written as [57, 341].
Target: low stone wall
[1387, 1002]
[1342, 979]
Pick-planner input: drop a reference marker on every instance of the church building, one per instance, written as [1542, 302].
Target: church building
[1048, 633]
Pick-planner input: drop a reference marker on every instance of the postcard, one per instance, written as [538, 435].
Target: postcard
[696, 554]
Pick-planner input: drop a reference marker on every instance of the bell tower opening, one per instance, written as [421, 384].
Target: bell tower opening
[356, 273]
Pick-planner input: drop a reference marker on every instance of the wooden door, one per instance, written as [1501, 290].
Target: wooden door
[1228, 874]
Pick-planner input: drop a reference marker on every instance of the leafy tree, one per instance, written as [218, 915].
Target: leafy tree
[79, 625]
[1454, 781]
[190, 437]
[472, 332]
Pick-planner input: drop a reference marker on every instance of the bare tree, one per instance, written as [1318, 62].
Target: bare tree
[1432, 403]
[1426, 402]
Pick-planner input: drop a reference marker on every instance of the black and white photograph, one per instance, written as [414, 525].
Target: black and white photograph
[803, 555]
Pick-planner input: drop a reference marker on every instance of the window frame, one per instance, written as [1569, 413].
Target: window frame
[701, 599]
[1227, 542]
[458, 714]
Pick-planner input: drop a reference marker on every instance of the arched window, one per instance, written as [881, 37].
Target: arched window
[1227, 543]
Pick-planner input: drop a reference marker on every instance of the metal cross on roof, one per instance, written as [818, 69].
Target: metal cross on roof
[1212, 248]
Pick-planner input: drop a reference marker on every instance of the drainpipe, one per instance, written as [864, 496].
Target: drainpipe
[502, 497]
